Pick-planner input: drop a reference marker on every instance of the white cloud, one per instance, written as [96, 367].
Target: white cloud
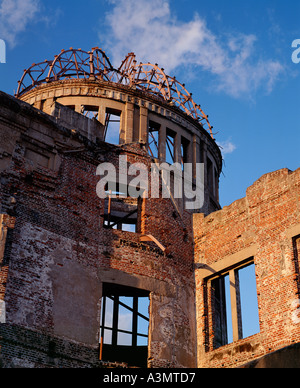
[15, 16]
[155, 34]
[227, 147]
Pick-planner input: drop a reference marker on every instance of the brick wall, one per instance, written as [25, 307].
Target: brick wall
[61, 254]
[265, 225]
[57, 254]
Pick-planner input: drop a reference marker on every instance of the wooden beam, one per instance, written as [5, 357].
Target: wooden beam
[149, 237]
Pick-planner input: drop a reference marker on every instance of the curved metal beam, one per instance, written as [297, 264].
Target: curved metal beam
[95, 65]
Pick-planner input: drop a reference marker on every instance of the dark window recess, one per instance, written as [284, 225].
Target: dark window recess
[124, 325]
[219, 312]
[184, 151]
[210, 176]
[8, 247]
[296, 249]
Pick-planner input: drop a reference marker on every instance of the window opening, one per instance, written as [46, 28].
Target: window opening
[249, 303]
[170, 150]
[221, 308]
[121, 211]
[153, 140]
[124, 325]
[90, 111]
[234, 305]
[184, 151]
[112, 126]
[182, 156]
[296, 250]
[229, 327]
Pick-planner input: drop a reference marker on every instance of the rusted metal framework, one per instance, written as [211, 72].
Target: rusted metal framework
[95, 65]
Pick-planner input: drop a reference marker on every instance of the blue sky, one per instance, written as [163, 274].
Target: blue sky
[234, 56]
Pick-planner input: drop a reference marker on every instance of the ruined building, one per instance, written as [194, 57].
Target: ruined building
[145, 280]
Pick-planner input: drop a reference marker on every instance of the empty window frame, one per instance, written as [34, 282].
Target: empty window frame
[124, 325]
[234, 306]
[184, 151]
[170, 146]
[121, 211]
[153, 140]
[90, 111]
[112, 126]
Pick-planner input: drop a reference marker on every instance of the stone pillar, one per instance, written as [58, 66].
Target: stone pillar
[102, 114]
[189, 152]
[78, 108]
[177, 149]
[129, 122]
[143, 137]
[235, 306]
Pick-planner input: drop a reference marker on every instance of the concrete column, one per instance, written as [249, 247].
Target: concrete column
[235, 306]
[102, 114]
[177, 148]
[129, 120]
[78, 108]
[47, 105]
[143, 137]
[38, 105]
